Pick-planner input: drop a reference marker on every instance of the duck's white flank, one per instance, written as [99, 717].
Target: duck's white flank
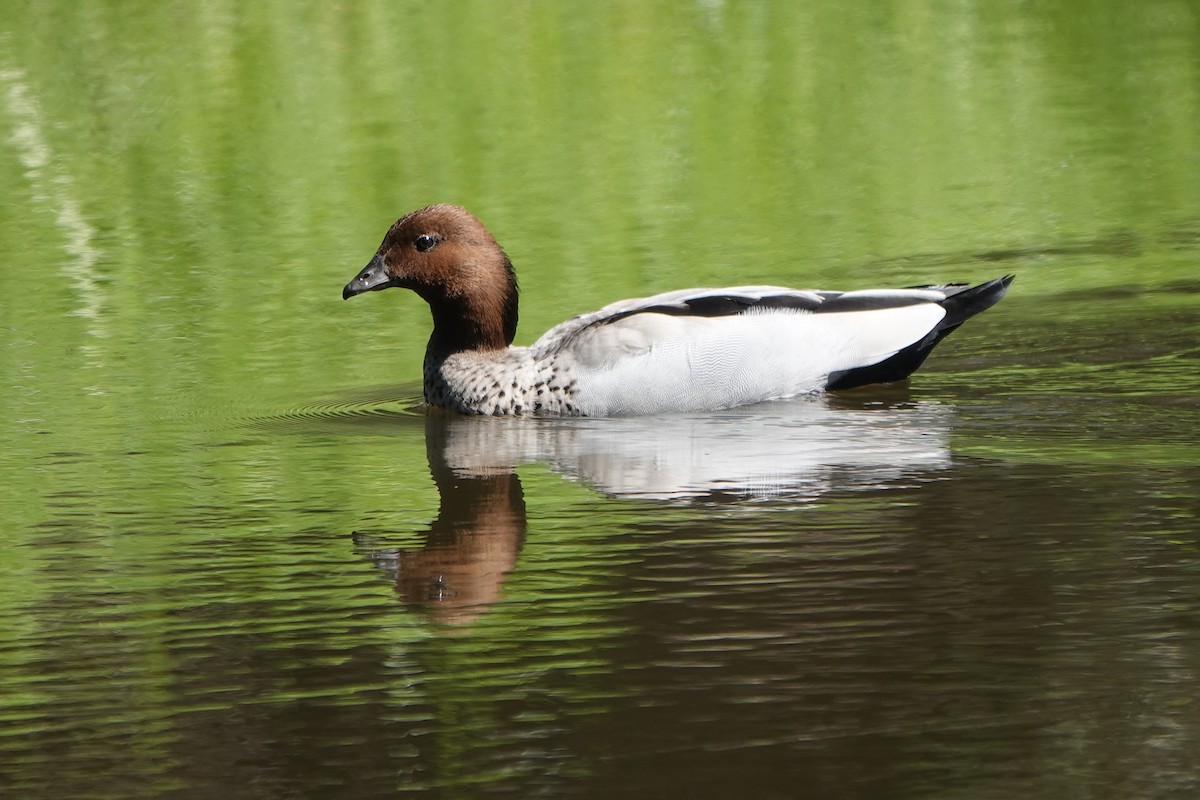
[690, 350]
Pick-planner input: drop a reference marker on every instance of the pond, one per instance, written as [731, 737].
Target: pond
[239, 558]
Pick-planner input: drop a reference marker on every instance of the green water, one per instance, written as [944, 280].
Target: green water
[237, 558]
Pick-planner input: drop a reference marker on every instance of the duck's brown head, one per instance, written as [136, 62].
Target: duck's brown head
[445, 255]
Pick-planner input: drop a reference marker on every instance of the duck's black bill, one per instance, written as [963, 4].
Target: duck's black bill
[373, 278]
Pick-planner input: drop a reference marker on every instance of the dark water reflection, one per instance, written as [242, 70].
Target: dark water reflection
[963, 626]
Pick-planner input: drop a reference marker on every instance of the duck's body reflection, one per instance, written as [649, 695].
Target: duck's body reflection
[797, 450]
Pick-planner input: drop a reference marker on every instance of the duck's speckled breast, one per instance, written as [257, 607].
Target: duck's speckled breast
[509, 382]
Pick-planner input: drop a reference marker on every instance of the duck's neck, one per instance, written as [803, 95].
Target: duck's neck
[459, 328]
[474, 321]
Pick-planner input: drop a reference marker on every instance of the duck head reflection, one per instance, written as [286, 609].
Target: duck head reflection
[472, 544]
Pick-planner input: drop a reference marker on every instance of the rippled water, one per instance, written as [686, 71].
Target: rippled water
[238, 558]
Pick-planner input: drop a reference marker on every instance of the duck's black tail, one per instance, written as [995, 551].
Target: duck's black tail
[962, 302]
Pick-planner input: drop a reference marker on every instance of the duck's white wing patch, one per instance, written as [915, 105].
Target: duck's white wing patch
[645, 363]
[603, 346]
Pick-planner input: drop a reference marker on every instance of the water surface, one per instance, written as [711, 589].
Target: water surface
[239, 559]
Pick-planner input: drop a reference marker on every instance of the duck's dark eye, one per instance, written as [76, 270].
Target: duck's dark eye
[425, 242]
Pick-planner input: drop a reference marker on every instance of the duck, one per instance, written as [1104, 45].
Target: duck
[690, 350]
